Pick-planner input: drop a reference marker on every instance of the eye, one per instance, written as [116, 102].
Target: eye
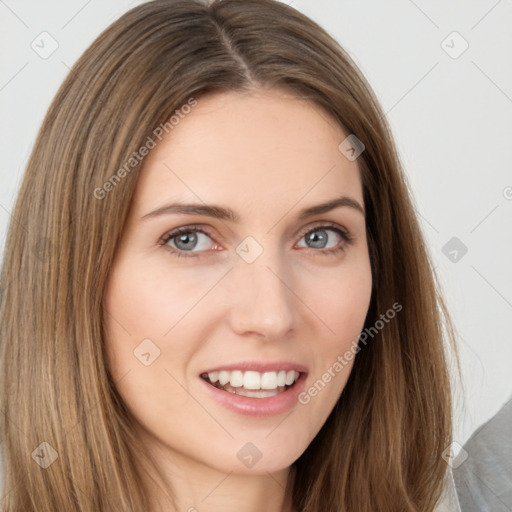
[192, 241]
[187, 240]
[321, 237]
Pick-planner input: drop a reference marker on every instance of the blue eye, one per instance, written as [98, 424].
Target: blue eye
[319, 238]
[185, 240]
[192, 241]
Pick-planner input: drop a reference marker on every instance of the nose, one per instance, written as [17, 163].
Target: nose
[262, 301]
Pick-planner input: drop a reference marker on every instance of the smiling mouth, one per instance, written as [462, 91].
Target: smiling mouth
[252, 384]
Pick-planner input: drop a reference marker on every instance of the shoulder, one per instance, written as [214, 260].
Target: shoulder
[449, 501]
[483, 469]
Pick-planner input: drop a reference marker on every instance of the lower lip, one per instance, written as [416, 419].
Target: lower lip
[269, 406]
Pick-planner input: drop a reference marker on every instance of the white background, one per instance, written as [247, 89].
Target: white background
[451, 118]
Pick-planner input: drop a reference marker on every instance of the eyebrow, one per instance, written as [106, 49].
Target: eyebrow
[223, 213]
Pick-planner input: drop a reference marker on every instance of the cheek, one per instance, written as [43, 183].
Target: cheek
[342, 306]
[142, 306]
[148, 302]
[151, 299]
[343, 302]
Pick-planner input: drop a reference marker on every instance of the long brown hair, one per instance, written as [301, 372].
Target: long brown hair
[381, 447]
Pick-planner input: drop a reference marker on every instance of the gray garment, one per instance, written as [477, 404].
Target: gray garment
[448, 501]
[484, 479]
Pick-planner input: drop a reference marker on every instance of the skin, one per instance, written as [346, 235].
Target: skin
[266, 155]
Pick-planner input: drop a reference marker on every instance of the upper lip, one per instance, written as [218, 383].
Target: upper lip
[259, 366]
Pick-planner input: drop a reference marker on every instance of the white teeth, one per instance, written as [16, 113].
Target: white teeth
[252, 380]
[256, 394]
[223, 377]
[290, 378]
[213, 376]
[269, 380]
[237, 379]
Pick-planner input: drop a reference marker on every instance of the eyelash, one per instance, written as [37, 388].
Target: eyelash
[347, 240]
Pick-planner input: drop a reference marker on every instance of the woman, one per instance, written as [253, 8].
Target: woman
[231, 303]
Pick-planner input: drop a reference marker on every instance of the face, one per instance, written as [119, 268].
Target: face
[227, 320]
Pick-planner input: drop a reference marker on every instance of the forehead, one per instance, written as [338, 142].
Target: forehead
[244, 148]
